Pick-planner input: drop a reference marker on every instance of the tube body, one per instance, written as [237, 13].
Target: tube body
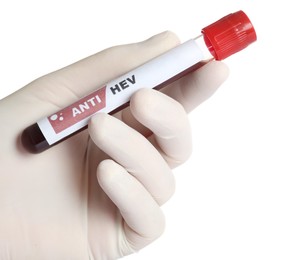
[115, 94]
[219, 40]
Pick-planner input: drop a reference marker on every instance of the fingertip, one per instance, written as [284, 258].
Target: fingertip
[140, 101]
[98, 127]
[166, 37]
[199, 86]
[108, 174]
[103, 170]
[158, 44]
[151, 107]
[210, 77]
[220, 68]
[167, 119]
[144, 221]
[96, 119]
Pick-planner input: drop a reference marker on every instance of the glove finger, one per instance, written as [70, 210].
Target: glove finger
[135, 153]
[190, 91]
[167, 119]
[144, 220]
[197, 87]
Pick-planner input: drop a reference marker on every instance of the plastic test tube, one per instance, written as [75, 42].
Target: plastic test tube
[218, 40]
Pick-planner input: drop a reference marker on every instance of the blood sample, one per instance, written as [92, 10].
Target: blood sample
[218, 41]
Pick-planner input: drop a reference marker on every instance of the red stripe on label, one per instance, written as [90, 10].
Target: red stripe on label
[78, 111]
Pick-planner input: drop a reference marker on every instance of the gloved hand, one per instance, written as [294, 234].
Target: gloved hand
[98, 197]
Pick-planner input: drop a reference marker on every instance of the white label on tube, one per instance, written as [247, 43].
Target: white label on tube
[118, 92]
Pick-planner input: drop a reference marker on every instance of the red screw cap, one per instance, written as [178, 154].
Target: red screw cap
[229, 35]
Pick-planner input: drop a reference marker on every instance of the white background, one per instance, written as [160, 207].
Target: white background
[237, 196]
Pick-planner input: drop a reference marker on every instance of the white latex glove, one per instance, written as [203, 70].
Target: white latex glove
[96, 198]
